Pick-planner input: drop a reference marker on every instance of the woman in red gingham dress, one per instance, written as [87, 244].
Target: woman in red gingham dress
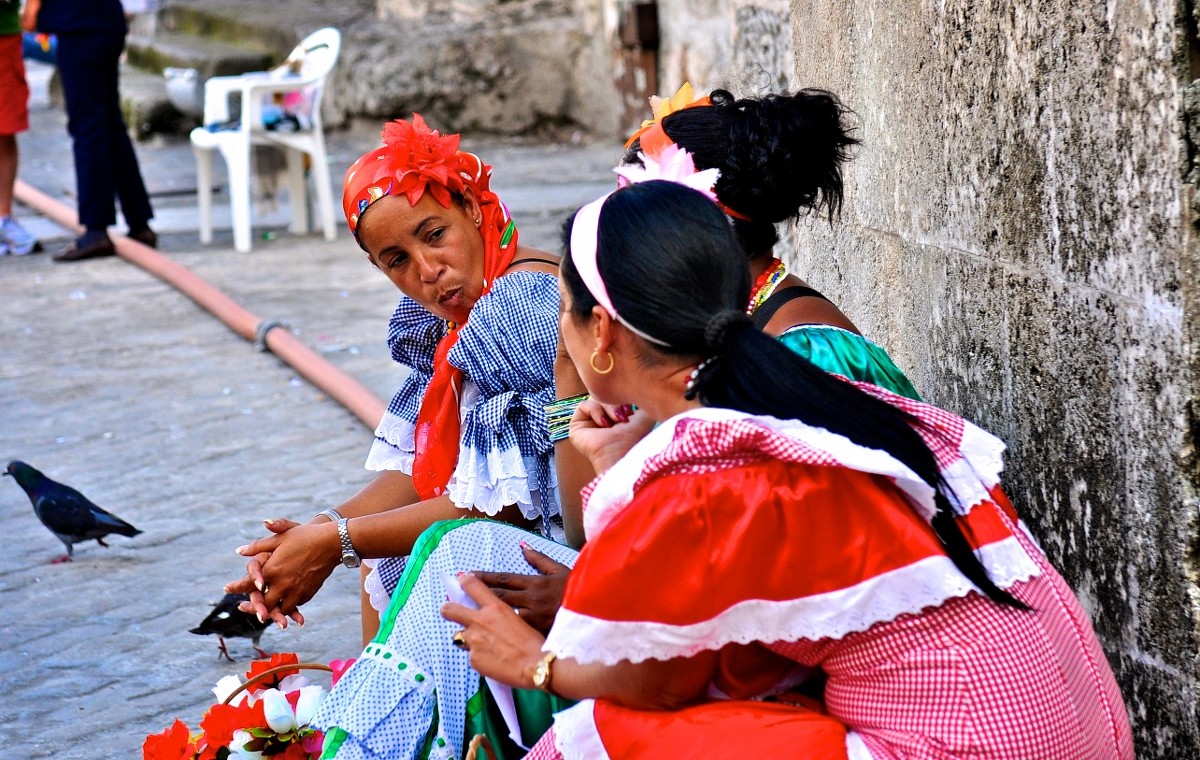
[751, 539]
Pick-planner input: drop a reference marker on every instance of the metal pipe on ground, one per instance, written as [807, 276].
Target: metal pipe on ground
[310, 365]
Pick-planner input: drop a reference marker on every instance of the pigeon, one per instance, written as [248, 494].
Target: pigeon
[66, 512]
[227, 620]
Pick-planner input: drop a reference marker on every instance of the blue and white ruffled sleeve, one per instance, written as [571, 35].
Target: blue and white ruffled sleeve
[413, 335]
[507, 350]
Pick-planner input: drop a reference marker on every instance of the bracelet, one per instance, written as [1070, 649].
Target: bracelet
[332, 514]
[559, 413]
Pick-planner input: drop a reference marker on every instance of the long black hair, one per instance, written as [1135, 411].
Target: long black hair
[780, 156]
[669, 259]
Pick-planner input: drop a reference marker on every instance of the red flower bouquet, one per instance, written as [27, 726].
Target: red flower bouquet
[267, 715]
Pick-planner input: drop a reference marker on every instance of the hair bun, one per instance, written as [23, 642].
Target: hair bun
[785, 154]
[722, 326]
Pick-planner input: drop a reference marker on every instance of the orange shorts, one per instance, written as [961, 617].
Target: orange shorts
[14, 92]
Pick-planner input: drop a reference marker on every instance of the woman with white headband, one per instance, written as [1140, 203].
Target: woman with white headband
[758, 517]
[799, 143]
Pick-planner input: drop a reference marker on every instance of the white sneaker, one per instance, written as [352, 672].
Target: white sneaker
[15, 239]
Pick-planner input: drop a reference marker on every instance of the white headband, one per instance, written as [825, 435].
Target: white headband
[584, 237]
[674, 164]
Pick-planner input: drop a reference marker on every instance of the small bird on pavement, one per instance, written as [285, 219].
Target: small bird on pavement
[227, 620]
[66, 512]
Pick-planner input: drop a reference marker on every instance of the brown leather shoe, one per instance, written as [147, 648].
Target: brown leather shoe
[74, 252]
[145, 237]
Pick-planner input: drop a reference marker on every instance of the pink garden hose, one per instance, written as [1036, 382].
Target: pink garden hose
[335, 383]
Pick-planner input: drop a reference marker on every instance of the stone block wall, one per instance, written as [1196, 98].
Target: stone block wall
[1019, 234]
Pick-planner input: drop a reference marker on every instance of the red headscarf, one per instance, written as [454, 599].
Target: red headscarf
[414, 160]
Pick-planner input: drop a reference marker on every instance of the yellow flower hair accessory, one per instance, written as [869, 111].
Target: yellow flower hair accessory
[661, 107]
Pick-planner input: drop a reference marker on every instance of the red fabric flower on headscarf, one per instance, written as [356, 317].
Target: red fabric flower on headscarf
[414, 159]
[424, 159]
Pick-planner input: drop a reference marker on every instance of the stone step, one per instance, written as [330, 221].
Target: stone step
[210, 57]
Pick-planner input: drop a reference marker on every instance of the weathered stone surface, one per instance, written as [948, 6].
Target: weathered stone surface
[502, 67]
[1017, 234]
[744, 45]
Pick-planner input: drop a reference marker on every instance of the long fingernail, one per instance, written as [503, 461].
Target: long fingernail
[241, 549]
[523, 544]
[258, 584]
[260, 617]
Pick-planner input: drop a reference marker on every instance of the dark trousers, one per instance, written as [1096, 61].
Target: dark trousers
[105, 164]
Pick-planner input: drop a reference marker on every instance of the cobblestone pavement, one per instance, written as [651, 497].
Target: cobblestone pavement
[116, 384]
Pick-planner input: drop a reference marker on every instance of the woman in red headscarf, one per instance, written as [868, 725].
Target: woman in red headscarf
[466, 434]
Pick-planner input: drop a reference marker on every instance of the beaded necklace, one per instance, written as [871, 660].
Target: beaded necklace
[765, 285]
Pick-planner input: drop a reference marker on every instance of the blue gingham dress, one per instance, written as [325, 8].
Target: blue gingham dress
[407, 694]
[506, 353]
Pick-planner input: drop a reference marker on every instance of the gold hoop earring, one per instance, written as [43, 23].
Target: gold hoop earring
[611, 363]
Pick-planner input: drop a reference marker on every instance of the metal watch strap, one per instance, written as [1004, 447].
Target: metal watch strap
[542, 675]
[350, 557]
[332, 514]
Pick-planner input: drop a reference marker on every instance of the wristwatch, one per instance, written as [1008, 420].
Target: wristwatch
[541, 672]
[350, 557]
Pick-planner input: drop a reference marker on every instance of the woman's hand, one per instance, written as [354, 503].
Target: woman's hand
[297, 561]
[501, 644]
[604, 434]
[252, 583]
[536, 598]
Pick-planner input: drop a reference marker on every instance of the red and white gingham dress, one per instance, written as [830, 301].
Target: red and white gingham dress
[787, 548]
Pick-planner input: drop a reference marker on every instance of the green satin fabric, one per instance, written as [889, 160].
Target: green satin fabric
[849, 354]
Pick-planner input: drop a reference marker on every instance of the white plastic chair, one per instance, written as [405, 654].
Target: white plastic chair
[314, 58]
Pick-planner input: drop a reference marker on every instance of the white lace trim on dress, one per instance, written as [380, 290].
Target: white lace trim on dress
[376, 592]
[393, 448]
[490, 482]
[832, 615]
[614, 489]
[575, 734]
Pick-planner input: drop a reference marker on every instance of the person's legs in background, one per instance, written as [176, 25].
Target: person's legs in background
[105, 164]
[14, 118]
[127, 175]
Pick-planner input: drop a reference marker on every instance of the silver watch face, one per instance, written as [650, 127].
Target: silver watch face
[351, 560]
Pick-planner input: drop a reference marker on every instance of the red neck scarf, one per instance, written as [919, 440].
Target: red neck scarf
[415, 160]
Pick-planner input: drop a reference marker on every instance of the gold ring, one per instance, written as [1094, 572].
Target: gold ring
[458, 641]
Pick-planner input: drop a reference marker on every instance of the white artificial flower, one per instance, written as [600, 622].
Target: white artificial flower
[293, 683]
[306, 706]
[278, 711]
[673, 164]
[227, 686]
[237, 747]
